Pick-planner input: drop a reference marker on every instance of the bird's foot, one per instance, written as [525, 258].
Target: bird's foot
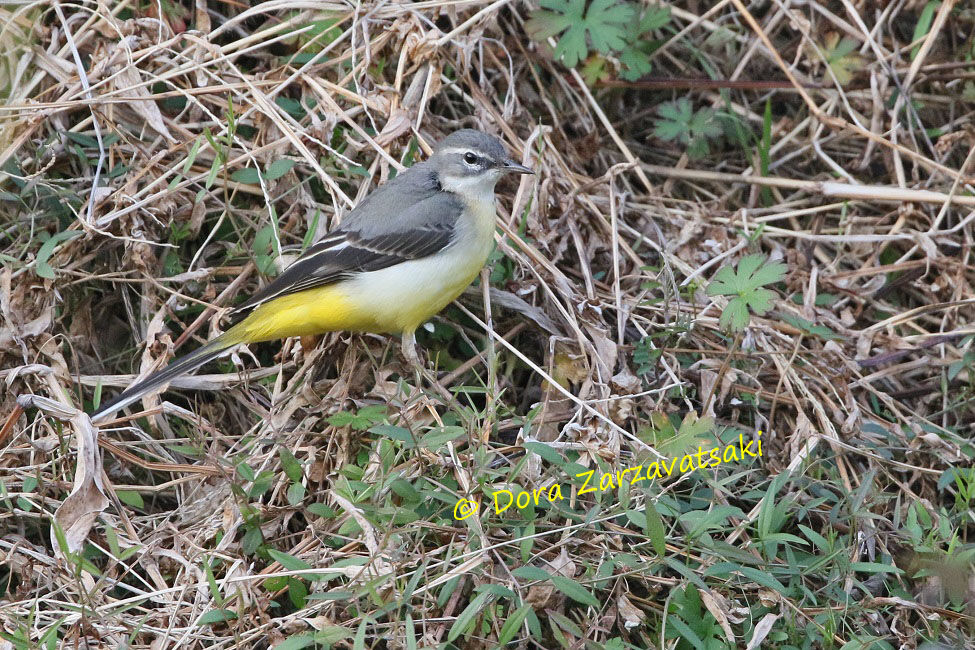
[419, 369]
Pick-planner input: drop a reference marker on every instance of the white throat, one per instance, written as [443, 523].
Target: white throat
[472, 189]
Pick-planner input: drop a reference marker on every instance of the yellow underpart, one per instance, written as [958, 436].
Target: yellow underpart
[359, 305]
[315, 311]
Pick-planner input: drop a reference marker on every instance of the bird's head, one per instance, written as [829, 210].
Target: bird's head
[473, 161]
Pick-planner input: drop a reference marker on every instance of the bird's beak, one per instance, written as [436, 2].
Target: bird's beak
[510, 165]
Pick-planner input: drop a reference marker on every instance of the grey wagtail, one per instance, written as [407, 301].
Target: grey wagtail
[405, 252]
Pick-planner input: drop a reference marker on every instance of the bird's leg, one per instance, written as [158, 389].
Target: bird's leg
[408, 343]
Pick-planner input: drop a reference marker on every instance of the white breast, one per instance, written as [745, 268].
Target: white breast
[405, 295]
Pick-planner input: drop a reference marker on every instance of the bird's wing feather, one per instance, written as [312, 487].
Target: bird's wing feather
[418, 230]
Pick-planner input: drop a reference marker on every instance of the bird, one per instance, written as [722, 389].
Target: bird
[407, 250]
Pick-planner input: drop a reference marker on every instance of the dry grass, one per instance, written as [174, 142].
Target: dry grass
[308, 495]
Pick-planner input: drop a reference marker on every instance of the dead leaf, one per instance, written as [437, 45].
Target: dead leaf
[540, 595]
[562, 565]
[717, 605]
[625, 382]
[397, 124]
[709, 382]
[631, 614]
[761, 631]
[77, 513]
[513, 302]
[606, 352]
[128, 82]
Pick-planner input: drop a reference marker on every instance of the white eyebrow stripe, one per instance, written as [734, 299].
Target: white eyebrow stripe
[463, 150]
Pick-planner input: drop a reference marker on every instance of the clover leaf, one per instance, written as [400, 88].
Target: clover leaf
[678, 121]
[605, 24]
[635, 57]
[842, 58]
[747, 286]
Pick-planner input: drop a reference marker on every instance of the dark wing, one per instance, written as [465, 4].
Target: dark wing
[427, 229]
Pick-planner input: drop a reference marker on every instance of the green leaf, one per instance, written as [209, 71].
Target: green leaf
[768, 274]
[264, 249]
[330, 635]
[361, 419]
[187, 164]
[252, 540]
[321, 510]
[746, 284]
[605, 20]
[546, 452]
[686, 633]
[594, 70]
[440, 436]
[278, 168]
[676, 117]
[704, 123]
[735, 315]
[292, 106]
[41, 267]
[296, 493]
[247, 175]
[698, 148]
[246, 471]
[410, 633]
[212, 582]
[511, 626]
[289, 562]
[843, 61]
[603, 26]
[297, 592]
[654, 18]
[655, 528]
[497, 591]
[678, 121]
[467, 617]
[82, 139]
[296, 642]
[693, 432]
[875, 567]
[760, 300]
[531, 573]
[333, 595]
[261, 484]
[575, 591]
[359, 642]
[217, 616]
[394, 432]
[290, 464]
[923, 26]
[755, 575]
[312, 229]
[636, 62]
[955, 367]
[566, 624]
[406, 490]
[810, 328]
[130, 498]
[191, 156]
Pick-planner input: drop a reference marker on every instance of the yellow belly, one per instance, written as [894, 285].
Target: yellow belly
[315, 311]
[392, 300]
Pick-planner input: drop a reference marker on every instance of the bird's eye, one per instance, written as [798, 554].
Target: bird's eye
[470, 158]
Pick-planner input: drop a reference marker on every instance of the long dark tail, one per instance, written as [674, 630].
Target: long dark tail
[184, 364]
